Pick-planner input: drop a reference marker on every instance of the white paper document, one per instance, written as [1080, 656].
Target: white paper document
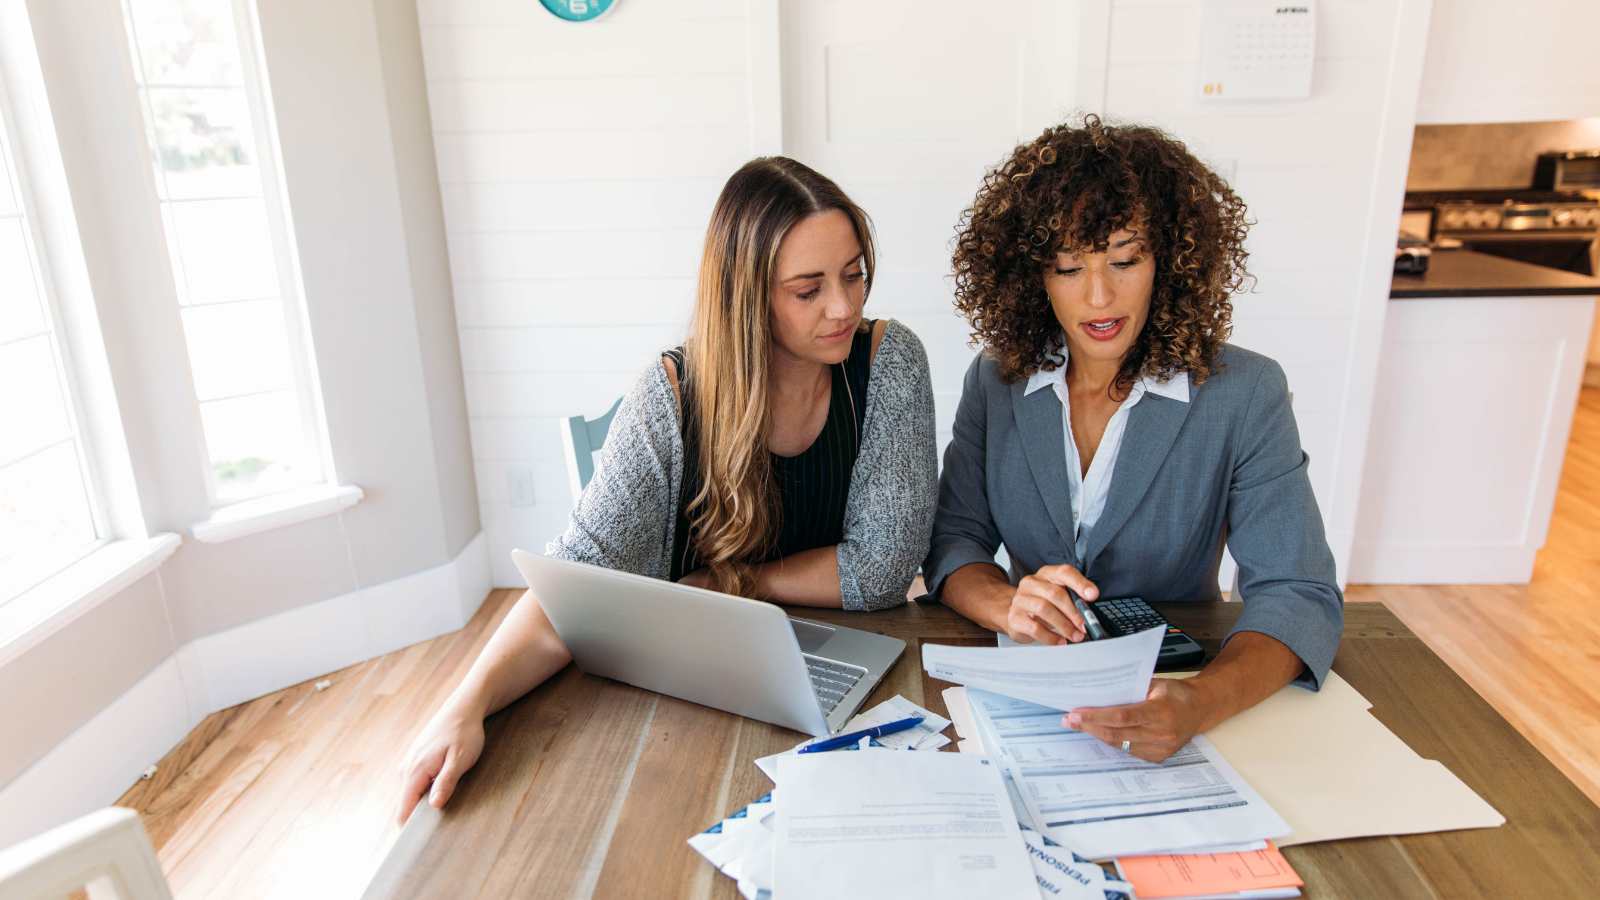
[1325, 763]
[1108, 672]
[1061, 873]
[1101, 802]
[740, 846]
[926, 736]
[878, 823]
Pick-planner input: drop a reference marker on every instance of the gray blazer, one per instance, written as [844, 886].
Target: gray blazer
[1224, 467]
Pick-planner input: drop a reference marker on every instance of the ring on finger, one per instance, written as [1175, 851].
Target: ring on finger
[1126, 745]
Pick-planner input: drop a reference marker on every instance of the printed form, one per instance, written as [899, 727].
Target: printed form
[878, 823]
[1102, 802]
[1107, 672]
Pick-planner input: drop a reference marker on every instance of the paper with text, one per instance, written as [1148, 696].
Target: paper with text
[1102, 802]
[1108, 672]
[924, 826]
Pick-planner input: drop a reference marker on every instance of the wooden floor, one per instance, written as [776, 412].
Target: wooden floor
[292, 795]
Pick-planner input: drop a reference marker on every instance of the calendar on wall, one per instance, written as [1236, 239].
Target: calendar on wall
[1254, 50]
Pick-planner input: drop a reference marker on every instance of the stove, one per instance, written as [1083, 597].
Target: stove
[1559, 229]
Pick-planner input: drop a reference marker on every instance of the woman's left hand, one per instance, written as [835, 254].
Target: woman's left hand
[1173, 712]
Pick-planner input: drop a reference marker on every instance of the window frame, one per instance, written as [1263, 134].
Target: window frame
[39, 259]
[305, 380]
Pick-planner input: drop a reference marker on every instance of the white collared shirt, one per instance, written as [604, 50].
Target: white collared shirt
[1088, 491]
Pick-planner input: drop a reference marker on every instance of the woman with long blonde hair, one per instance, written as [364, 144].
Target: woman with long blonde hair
[784, 452]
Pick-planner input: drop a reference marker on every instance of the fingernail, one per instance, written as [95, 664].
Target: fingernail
[1092, 592]
[1074, 720]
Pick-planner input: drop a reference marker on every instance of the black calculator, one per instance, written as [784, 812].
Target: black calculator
[1126, 615]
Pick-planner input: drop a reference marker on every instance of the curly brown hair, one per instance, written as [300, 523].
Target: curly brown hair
[1072, 188]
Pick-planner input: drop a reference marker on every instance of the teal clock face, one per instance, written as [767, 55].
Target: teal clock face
[577, 10]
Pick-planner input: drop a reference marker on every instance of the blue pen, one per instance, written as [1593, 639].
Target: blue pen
[845, 740]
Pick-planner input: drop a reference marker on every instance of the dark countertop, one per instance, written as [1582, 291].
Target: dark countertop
[1466, 273]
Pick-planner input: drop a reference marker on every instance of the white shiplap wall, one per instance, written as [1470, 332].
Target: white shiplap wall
[1323, 178]
[579, 164]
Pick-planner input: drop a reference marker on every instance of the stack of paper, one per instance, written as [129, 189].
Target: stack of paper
[1256, 875]
[1062, 873]
[1093, 798]
[880, 822]
[883, 824]
[741, 846]
[1296, 749]
[1103, 802]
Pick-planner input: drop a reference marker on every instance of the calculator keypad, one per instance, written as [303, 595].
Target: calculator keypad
[1127, 615]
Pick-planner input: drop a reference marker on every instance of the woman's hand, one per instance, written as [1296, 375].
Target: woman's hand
[1041, 612]
[445, 750]
[1173, 712]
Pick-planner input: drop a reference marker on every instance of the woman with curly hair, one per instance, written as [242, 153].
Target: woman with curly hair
[1112, 440]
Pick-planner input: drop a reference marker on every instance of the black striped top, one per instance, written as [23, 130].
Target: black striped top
[813, 487]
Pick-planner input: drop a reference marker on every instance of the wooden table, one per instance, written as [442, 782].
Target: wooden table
[588, 786]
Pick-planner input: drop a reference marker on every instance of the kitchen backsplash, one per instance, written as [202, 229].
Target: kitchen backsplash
[1490, 156]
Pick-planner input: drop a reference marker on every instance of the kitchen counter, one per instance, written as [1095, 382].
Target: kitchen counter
[1466, 273]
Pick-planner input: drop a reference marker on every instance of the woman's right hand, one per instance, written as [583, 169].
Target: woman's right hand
[1041, 611]
[441, 754]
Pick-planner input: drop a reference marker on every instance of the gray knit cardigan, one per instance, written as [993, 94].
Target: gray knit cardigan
[626, 516]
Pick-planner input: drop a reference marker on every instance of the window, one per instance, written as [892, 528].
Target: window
[223, 207]
[48, 518]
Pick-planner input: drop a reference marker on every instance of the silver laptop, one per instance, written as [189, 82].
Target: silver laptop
[734, 654]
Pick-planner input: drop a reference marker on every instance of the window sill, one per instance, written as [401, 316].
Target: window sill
[46, 609]
[249, 517]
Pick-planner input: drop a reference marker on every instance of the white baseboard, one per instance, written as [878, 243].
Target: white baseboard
[1424, 564]
[230, 667]
[95, 764]
[474, 575]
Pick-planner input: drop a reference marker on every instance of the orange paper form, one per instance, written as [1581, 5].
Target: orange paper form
[1155, 877]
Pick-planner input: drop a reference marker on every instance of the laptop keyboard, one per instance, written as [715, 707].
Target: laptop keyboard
[831, 680]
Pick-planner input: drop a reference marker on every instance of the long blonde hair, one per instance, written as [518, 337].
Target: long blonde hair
[733, 518]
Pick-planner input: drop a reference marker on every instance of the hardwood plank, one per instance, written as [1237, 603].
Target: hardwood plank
[209, 831]
[539, 806]
[1365, 867]
[562, 836]
[676, 789]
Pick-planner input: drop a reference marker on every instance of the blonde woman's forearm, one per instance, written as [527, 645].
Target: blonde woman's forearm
[523, 652]
[807, 578]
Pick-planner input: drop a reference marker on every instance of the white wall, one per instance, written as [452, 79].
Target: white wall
[868, 96]
[579, 164]
[1492, 61]
[1323, 178]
